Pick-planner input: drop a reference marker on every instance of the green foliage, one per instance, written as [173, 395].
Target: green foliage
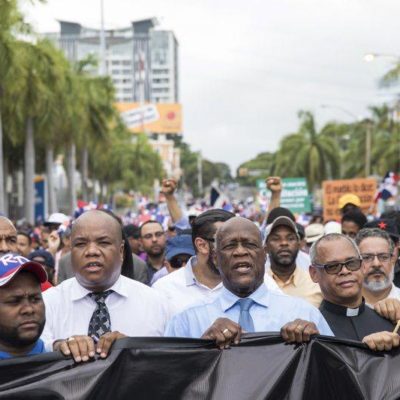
[308, 153]
[259, 167]
[69, 106]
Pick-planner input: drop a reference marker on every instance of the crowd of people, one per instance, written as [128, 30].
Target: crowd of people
[78, 286]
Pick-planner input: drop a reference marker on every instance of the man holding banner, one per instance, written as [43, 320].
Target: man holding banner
[245, 304]
[336, 266]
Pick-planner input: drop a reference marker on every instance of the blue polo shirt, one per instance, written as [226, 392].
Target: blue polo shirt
[37, 349]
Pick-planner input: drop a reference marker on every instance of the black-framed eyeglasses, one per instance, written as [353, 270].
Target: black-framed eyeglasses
[334, 268]
[382, 257]
[179, 261]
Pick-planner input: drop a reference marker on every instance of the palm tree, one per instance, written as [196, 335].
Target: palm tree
[100, 115]
[391, 77]
[49, 124]
[385, 139]
[308, 153]
[35, 98]
[10, 19]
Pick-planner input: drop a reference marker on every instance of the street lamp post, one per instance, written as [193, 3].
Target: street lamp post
[368, 134]
[102, 66]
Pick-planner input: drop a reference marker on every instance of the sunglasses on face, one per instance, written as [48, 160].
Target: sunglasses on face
[334, 268]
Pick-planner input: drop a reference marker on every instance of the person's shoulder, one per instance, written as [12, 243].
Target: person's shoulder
[138, 289]
[66, 257]
[172, 279]
[63, 287]
[199, 307]
[59, 293]
[137, 261]
[292, 301]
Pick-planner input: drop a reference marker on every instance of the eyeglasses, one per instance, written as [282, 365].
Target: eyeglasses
[179, 261]
[382, 257]
[335, 268]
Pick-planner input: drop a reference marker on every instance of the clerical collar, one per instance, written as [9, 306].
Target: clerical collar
[341, 310]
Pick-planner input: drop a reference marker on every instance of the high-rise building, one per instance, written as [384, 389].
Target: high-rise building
[142, 62]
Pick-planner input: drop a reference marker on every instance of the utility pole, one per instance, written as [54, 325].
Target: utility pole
[368, 132]
[102, 65]
[200, 173]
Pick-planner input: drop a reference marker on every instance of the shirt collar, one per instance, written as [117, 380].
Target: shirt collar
[79, 292]
[189, 275]
[293, 279]
[260, 296]
[341, 310]
[190, 279]
[38, 348]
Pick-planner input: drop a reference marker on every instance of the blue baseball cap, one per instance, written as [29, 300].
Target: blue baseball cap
[11, 264]
[180, 244]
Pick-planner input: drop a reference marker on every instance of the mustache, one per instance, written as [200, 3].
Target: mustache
[376, 271]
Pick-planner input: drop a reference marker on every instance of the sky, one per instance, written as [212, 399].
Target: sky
[248, 67]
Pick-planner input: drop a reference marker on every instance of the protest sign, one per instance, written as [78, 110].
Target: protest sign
[332, 191]
[294, 194]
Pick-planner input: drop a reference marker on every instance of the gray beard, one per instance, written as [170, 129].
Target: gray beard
[375, 286]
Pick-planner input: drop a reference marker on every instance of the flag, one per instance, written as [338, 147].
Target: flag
[388, 187]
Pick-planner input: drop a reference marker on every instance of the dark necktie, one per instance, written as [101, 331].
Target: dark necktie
[245, 320]
[100, 323]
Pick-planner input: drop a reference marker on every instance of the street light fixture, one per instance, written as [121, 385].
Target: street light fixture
[369, 57]
[354, 116]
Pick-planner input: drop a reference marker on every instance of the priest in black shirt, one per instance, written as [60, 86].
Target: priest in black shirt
[336, 266]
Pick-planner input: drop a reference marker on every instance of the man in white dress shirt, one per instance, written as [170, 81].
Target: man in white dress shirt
[200, 280]
[87, 313]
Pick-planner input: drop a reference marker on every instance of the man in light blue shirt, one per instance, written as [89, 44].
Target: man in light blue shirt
[245, 304]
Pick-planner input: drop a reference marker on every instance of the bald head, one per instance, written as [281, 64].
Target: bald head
[240, 256]
[8, 236]
[97, 219]
[97, 250]
[5, 223]
[238, 224]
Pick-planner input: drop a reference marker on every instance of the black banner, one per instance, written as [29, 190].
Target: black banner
[261, 367]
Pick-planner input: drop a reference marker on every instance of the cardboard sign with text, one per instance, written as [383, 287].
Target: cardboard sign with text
[365, 189]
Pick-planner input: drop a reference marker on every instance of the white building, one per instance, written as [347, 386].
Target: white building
[142, 61]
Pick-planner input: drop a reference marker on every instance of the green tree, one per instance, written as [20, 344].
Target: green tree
[391, 77]
[385, 143]
[259, 167]
[38, 78]
[11, 21]
[308, 153]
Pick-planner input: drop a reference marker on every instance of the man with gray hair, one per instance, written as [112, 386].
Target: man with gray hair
[336, 266]
[378, 261]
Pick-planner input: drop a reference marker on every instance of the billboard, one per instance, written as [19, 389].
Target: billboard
[294, 194]
[365, 189]
[151, 117]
